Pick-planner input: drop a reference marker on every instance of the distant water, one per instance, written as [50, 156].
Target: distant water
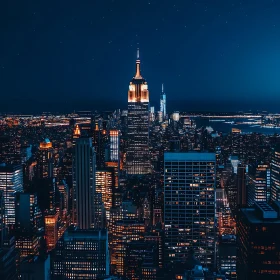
[226, 127]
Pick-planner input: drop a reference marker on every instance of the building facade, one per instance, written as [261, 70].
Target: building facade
[189, 206]
[84, 184]
[258, 243]
[275, 174]
[163, 102]
[81, 254]
[138, 157]
[11, 182]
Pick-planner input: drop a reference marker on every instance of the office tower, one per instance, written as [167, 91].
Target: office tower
[2, 224]
[81, 254]
[114, 145]
[163, 102]
[100, 140]
[8, 260]
[28, 214]
[76, 135]
[45, 159]
[159, 117]
[84, 184]
[26, 153]
[51, 230]
[116, 192]
[141, 260]
[258, 242]
[63, 190]
[104, 186]
[189, 206]
[258, 183]
[125, 231]
[11, 180]
[9, 150]
[28, 222]
[275, 174]
[242, 200]
[35, 267]
[152, 114]
[137, 157]
[226, 259]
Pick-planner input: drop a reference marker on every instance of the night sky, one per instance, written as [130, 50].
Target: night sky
[211, 54]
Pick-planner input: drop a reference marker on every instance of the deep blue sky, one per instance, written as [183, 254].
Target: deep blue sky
[211, 54]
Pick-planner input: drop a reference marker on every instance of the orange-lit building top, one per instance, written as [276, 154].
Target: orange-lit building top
[77, 131]
[51, 230]
[138, 87]
[46, 144]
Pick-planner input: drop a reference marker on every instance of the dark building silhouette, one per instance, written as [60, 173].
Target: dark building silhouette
[258, 242]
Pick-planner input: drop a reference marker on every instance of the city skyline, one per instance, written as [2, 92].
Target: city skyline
[168, 170]
[209, 56]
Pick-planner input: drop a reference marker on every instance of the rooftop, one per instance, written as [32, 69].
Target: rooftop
[189, 156]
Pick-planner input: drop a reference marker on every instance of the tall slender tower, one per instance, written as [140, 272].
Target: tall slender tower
[84, 184]
[163, 102]
[138, 159]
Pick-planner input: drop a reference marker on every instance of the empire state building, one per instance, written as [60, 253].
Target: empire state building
[138, 157]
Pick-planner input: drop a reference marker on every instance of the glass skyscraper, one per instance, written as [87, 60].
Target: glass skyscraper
[138, 158]
[275, 175]
[163, 102]
[11, 182]
[189, 206]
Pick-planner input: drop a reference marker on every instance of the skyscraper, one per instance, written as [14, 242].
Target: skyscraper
[163, 102]
[45, 159]
[275, 174]
[11, 182]
[258, 183]
[81, 254]
[138, 158]
[84, 184]
[189, 206]
[258, 242]
[114, 145]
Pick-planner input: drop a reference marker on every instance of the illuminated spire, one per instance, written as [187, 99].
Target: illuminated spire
[77, 131]
[138, 73]
[162, 88]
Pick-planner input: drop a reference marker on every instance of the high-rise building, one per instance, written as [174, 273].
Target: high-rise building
[114, 145]
[100, 139]
[76, 135]
[45, 159]
[104, 186]
[189, 206]
[34, 267]
[138, 157]
[28, 222]
[81, 254]
[241, 193]
[2, 224]
[8, 260]
[11, 182]
[163, 102]
[258, 183]
[51, 230]
[258, 244]
[275, 174]
[141, 261]
[125, 231]
[84, 184]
